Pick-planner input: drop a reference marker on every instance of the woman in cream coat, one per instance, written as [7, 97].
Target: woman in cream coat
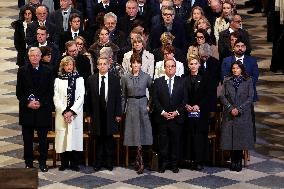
[68, 99]
[147, 57]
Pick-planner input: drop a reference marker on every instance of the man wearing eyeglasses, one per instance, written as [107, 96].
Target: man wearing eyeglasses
[224, 42]
[169, 23]
[168, 99]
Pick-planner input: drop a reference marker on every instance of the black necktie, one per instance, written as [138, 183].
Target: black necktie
[170, 86]
[141, 10]
[102, 93]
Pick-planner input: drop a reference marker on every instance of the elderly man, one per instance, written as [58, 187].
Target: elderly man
[126, 22]
[42, 15]
[34, 91]
[224, 36]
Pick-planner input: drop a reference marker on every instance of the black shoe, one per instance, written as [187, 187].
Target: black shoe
[43, 168]
[233, 166]
[97, 168]
[254, 11]
[28, 166]
[239, 166]
[109, 167]
[175, 169]
[162, 169]
[197, 167]
[75, 168]
[62, 168]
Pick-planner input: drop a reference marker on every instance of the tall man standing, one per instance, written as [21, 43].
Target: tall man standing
[34, 91]
[168, 99]
[104, 108]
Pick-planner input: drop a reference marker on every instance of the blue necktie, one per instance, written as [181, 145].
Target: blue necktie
[170, 86]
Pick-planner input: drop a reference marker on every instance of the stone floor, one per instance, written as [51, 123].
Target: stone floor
[265, 169]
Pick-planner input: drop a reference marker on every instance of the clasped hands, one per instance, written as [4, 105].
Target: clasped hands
[68, 117]
[235, 112]
[34, 104]
[170, 115]
[194, 108]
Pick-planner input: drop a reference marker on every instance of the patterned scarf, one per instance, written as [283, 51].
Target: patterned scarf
[71, 77]
[237, 81]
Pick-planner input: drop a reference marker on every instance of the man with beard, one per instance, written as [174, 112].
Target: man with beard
[248, 61]
[250, 65]
[224, 36]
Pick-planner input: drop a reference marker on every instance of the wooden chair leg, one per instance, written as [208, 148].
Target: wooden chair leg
[214, 151]
[87, 153]
[126, 156]
[118, 150]
[246, 157]
[54, 155]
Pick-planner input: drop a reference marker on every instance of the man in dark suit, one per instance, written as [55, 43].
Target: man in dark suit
[42, 35]
[83, 64]
[125, 23]
[104, 108]
[34, 91]
[168, 99]
[60, 17]
[182, 9]
[74, 31]
[106, 6]
[169, 23]
[249, 62]
[224, 42]
[42, 15]
[145, 10]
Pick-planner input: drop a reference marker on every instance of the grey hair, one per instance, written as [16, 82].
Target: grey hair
[204, 49]
[169, 8]
[106, 52]
[34, 49]
[110, 14]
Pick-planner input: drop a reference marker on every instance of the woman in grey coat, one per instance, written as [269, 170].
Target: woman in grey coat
[138, 130]
[237, 126]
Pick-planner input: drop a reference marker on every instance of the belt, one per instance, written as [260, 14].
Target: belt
[137, 97]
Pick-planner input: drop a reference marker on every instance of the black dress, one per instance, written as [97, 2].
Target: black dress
[196, 128]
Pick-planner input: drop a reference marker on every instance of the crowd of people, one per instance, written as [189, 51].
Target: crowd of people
[157, 66]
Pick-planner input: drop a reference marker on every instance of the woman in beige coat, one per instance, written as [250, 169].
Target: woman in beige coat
[68, 99]
[147, 57]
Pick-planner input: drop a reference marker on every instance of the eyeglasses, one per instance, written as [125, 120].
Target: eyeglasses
[238, 21]
[171, 66]
[199, 37]
[168, 14]
[79, 43]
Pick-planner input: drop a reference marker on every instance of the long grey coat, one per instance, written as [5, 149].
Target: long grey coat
[237, 132]
[138, 130]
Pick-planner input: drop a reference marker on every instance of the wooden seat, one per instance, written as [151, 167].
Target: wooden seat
[212, 135]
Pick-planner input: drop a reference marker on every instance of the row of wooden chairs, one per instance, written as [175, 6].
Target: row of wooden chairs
[89, 142]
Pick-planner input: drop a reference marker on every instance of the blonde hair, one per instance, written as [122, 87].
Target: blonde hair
[64, 62]
[138, 38]
[166, 37]
[193, 57]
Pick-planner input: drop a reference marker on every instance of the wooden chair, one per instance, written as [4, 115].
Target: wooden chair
[212, 136]
[50, 141]
[246, 157]
[117, 137]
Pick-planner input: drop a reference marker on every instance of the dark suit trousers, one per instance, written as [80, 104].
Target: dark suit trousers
[70, 156]
[169, 135]
[28, 136]
[104, 150]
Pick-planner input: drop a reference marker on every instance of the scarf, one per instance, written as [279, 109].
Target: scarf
[71, 77]
[237, 81]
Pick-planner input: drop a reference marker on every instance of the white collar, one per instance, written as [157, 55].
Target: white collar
[167, 77]
[42, 45]
[106, 75]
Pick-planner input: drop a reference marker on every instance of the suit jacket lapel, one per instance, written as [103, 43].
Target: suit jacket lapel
[165, 86]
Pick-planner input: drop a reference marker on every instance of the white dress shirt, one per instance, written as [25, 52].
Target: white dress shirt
[106, 84]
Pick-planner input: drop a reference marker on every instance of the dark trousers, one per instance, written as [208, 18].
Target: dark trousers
[169, 135]
[104, 150]
[70, 156]
[28, 136]
[236, 156]
[197, 147]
